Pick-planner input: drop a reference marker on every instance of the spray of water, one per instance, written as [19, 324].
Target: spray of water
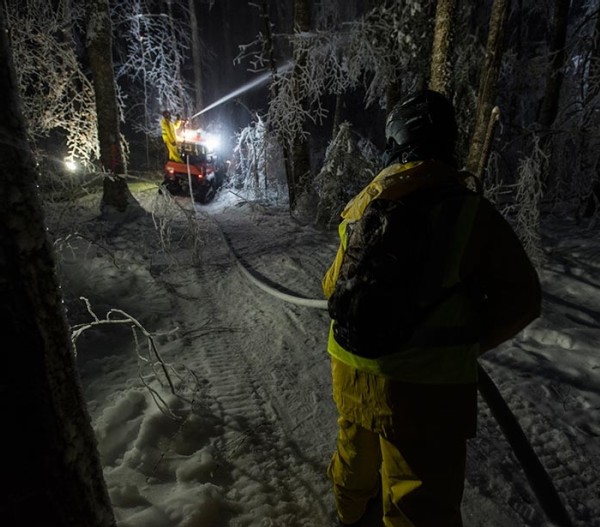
[256, 82]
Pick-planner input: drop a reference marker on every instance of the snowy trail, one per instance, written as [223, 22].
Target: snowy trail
[547, 376]
[559, 450]
[262, 401]
[252, 446]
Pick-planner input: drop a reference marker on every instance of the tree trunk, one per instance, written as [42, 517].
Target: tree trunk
[337, 115]
[300, 153]
[287, 157]
[554, 79]
[591, 203]
[488, 83]
[594, 74]
[51, 466]
[176, 67]
[196, 56]
[442, 41]
[99, 46]
[393, 94]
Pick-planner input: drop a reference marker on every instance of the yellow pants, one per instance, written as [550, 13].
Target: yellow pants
[173, 152]
[421, 482]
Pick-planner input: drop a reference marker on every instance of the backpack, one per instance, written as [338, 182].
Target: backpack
[397, 268]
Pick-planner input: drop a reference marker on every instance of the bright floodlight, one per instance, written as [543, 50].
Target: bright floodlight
[70, 164]
[213, 142]
[190, 135]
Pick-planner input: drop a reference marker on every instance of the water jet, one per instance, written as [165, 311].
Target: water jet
[248, 86]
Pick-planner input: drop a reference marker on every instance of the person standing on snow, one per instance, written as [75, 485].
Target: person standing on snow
[168, 129]
[427, 277]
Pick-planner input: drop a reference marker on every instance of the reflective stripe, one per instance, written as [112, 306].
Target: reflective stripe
[419, 364]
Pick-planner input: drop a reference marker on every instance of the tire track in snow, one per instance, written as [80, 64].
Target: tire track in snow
[248, 382]
[564, 459]
[258, 434]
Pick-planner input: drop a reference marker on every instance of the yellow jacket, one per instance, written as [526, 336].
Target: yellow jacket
[168, 130]
[169, 136]
[421, 391]
[485, 247]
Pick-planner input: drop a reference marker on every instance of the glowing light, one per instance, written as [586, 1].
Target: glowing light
[191, 135]
[70, 164]
[212, 142]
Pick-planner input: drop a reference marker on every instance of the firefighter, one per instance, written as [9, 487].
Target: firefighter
[168, 130]
[404, 340]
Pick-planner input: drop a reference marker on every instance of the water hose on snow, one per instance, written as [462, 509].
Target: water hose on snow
[290, 297]
[536, 474]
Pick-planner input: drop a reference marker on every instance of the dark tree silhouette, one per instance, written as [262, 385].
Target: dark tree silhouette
[442, 41]
[51, 468]
[116, 194]
[488, 86]
[554, 79]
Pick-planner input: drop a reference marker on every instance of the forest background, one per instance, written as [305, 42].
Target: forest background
[523, 76]
[91, 79]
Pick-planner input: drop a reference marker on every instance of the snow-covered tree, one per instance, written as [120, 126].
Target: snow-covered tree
[57, 94]
[488, 86]
[153, 47]
[381, 50]
[442, 42]
[346, 169]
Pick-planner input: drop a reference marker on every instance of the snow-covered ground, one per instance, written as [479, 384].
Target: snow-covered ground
[247, 437]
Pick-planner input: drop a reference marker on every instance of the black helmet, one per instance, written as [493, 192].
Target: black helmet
[421, 126]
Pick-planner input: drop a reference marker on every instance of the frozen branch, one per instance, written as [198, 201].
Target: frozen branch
[161, 370]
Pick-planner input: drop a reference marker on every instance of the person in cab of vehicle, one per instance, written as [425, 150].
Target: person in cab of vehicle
[168, 131]
[428, 276]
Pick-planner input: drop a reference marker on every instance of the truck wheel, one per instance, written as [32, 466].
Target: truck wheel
[206, 195]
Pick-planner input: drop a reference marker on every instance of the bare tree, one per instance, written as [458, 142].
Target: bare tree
[442, 39]
[116, 194]
[52, 462]
[268, 54]
[488, 85]
[554, 78]
[151, 51]
[196, 56]
[591, 202]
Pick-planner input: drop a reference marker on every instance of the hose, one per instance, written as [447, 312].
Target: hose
[298, 300]
[538, 478]
[536, 474]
